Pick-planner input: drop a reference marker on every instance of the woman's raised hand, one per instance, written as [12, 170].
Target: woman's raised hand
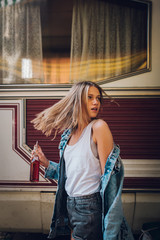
[42, 158]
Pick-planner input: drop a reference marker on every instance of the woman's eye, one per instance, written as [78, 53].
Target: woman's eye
[89, 97]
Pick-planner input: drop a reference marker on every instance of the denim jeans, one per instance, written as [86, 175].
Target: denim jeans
[85, 216]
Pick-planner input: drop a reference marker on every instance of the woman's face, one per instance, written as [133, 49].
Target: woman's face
[93, 104]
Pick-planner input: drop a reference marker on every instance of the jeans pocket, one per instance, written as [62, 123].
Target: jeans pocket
[88, 208]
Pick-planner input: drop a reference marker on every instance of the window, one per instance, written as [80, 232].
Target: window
[60, 42]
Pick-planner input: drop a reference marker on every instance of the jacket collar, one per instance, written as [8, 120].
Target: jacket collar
[64, 139]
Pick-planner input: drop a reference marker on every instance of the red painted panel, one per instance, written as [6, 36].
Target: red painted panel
[15, 107]
[134, 124]
[50, 147]
[152, 183]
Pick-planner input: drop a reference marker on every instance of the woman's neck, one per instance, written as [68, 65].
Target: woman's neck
[82, 125]
[76, 134]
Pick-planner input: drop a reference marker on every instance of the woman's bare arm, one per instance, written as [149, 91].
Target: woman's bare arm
[102, 136]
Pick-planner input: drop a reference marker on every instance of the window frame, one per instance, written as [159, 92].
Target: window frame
[108, 80]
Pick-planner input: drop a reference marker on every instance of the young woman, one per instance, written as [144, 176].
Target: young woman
[85, 146]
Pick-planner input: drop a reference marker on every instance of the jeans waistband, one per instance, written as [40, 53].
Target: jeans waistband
[97, 194]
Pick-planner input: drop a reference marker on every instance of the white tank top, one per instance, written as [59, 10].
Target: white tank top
[83, 169]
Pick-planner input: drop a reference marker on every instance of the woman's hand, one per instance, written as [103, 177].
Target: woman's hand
[42, 158]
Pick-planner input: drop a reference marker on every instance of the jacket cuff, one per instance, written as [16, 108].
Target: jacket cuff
[52, 171]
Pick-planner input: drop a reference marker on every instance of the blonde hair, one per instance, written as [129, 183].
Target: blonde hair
[69, 112]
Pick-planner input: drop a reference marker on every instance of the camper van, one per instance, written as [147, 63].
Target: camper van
[45, 47]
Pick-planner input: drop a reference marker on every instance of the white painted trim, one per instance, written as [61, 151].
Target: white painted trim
[23, 153]
[56, 92]
[142, 167]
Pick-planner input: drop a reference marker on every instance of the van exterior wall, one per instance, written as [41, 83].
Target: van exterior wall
[32, 211]
[26, 211]
[28, 207]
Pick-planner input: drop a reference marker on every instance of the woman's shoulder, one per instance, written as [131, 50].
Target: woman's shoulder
[99, 124]
[101, 131]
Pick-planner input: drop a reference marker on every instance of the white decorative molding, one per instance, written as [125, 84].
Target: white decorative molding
[142, 167]
[12, 113]
[15, 159]
[58, 92]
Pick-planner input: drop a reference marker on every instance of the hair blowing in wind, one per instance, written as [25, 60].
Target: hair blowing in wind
[68, 112]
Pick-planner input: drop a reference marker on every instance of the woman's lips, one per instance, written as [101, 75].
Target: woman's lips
[94, 109]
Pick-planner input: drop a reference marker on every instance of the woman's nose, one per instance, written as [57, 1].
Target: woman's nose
[95, 101]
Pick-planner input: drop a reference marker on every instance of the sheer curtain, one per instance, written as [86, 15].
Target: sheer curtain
[20, 44]
[107, 40]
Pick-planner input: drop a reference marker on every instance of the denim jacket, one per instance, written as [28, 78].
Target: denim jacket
[114, 225]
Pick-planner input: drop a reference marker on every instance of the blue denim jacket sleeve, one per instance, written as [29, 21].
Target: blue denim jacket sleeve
[114, 224]
[52, 171]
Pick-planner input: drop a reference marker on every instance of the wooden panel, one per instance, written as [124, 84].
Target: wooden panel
[135, 125]
[149, 183]
[50, 147]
